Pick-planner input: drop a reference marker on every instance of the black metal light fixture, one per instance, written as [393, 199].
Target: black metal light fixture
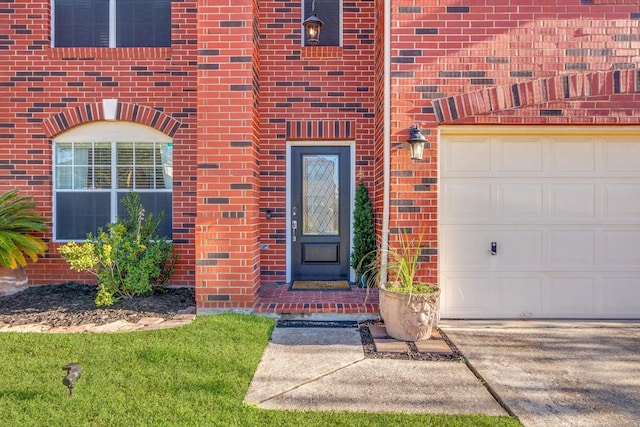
[416, 141]
[74, 371]
[312, 26]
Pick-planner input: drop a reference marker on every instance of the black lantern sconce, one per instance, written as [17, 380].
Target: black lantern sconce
[312, 26]
[416, 141]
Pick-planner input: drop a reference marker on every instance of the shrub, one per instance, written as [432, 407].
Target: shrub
[363, 256]
[18, 220]
[127, 259]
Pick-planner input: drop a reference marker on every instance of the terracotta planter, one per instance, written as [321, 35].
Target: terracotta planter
[409, 317]
[12, 280]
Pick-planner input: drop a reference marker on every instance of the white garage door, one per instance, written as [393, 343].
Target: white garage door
[562, 209]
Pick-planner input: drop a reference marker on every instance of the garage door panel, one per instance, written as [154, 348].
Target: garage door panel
[573, 247]
[467, 156]
[621, 296]
[621, 157]
[521, 296]
[621, 201]
[570, 155]
[467, 249]
[468, 200]
[519, 249]
[573, 201]
[564, 211]
[622, 248]
[521, 155]
[572, 296]
[468, 296]
[519, 201]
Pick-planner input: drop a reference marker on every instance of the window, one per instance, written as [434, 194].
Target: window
[91, 178]
[111, 23]
[330, 13]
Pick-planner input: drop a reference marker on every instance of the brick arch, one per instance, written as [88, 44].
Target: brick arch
[86, 113]
[558, 88]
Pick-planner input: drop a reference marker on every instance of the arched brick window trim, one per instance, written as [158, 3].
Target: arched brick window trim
[86, 113]
[558, 88]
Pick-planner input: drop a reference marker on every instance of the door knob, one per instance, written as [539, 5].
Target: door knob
[494, 248]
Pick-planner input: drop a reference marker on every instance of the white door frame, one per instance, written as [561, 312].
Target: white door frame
[352, 183]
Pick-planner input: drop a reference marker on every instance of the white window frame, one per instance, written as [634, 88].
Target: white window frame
[111, 132]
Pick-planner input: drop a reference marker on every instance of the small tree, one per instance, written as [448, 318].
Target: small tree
[363, 256]
[128, 259]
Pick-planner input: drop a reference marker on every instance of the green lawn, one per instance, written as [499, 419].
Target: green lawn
[196, 375]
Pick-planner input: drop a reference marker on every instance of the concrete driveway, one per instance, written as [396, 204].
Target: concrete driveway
[557, 373]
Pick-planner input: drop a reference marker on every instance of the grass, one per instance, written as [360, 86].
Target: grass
[196, 375]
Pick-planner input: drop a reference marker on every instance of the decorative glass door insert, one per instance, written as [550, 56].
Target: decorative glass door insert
[320, 190]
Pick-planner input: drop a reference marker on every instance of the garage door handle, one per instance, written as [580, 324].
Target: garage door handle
[494, 248]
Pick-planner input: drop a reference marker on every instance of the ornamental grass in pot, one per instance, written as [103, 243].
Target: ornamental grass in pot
[408, 307]
[18, 222]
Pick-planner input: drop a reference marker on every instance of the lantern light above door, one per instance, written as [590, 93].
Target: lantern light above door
[312, 26]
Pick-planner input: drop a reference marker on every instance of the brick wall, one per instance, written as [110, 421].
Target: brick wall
[310, 94]
[507, 62]
[240, 84]
[227, 231]
[39, 83]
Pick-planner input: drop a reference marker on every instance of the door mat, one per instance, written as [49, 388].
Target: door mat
[320, 285]
[317, 324]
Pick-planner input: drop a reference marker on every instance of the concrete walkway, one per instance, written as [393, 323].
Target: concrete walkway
[325, 369]
[546, 373]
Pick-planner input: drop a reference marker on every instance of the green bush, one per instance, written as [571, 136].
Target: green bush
[127, 259]
[18, 220]
[363, 256]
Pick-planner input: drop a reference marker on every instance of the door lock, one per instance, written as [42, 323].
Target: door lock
[294, 228]
[494, 248]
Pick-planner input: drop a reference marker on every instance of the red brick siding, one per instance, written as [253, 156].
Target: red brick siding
[313, 86]
[40, 83]
[227, 225]
[512, 62]
[240, 84]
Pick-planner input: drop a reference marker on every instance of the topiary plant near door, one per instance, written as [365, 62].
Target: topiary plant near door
[363, 256]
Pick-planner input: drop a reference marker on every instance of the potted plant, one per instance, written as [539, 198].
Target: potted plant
[18, 222]
[408, 307]
[363, 256]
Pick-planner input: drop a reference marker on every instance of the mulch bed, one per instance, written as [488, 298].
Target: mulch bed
[72, 304]
[413, 353]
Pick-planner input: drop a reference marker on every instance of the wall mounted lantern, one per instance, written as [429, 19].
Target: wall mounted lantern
[416, 141]
[312, 26]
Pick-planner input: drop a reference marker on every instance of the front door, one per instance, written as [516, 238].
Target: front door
[320, 213]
